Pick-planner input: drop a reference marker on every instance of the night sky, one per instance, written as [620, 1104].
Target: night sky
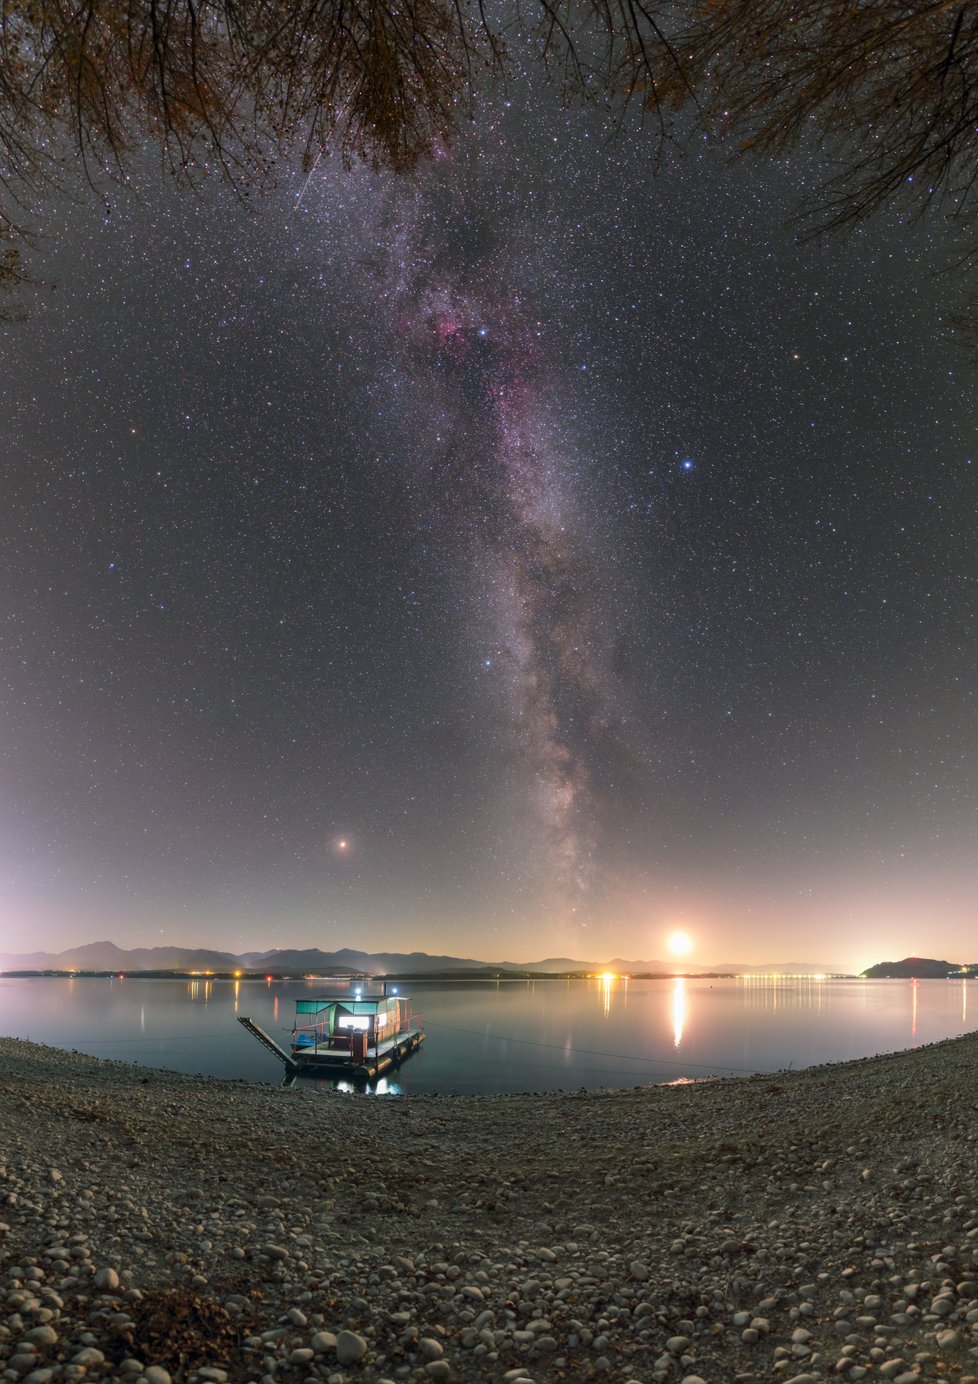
[529, 558]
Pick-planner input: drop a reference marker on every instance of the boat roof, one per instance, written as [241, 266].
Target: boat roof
[363, 1004]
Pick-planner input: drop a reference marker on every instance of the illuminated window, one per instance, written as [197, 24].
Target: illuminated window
[357, 1021]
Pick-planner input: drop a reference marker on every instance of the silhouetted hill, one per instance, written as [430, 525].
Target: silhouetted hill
[915, 967]
[106, 956]
[347, 959]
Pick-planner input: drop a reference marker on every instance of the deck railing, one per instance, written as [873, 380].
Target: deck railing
[318, 1035]
[409, 1022]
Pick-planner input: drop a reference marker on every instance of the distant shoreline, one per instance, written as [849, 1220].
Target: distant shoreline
[503, 977]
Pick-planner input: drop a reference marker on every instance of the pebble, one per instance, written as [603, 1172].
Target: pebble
[88, 1357]
[350, 1346]
[43, 1336]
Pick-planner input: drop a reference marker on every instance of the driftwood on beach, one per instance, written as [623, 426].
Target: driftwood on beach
[801, 1226]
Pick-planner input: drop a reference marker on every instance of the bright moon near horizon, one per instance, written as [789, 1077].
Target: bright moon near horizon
[680, 943]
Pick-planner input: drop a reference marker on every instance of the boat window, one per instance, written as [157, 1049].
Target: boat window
[357, 1021]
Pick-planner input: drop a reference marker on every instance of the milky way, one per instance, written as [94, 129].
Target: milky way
[486, 412]
[588, 556]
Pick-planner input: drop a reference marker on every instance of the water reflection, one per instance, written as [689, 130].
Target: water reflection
[678, 1010]
[492, 1036]
[383, 1086]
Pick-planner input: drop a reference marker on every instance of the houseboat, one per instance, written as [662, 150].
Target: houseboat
[354, 1035]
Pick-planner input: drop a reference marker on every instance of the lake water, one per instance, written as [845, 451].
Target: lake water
[508, 1035]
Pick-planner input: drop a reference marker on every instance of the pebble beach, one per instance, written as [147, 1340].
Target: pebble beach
[803, 1226]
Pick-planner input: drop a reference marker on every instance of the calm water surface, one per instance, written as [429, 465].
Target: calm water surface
[507, 1036]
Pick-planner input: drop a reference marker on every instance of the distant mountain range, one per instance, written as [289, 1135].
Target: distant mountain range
[106, 956]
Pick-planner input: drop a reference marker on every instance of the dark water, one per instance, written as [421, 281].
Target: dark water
[507, 1036]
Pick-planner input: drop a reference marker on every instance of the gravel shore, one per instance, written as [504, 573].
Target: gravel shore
[815, 1224]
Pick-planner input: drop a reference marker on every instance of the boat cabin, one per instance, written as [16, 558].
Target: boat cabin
[362, 1034]
[353, 1025]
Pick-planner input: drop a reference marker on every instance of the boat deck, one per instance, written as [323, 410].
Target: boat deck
[312, 1058]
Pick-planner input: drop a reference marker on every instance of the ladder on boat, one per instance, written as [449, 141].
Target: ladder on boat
[269, 1043]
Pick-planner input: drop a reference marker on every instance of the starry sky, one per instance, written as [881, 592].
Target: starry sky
[526, 558]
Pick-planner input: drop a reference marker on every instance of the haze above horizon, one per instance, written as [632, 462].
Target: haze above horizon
[106, 955]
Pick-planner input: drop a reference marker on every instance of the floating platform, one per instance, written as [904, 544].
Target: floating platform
[357, 1036]
[335, 1061]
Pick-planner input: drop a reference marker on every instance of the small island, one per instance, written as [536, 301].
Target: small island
[920, 968]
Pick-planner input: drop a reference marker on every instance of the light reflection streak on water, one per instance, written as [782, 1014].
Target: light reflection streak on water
[607, 981]
[964, 1002]
[786, 992]
[913, 1011]
[237, 992]
[678, 1010]
[142, 1018]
